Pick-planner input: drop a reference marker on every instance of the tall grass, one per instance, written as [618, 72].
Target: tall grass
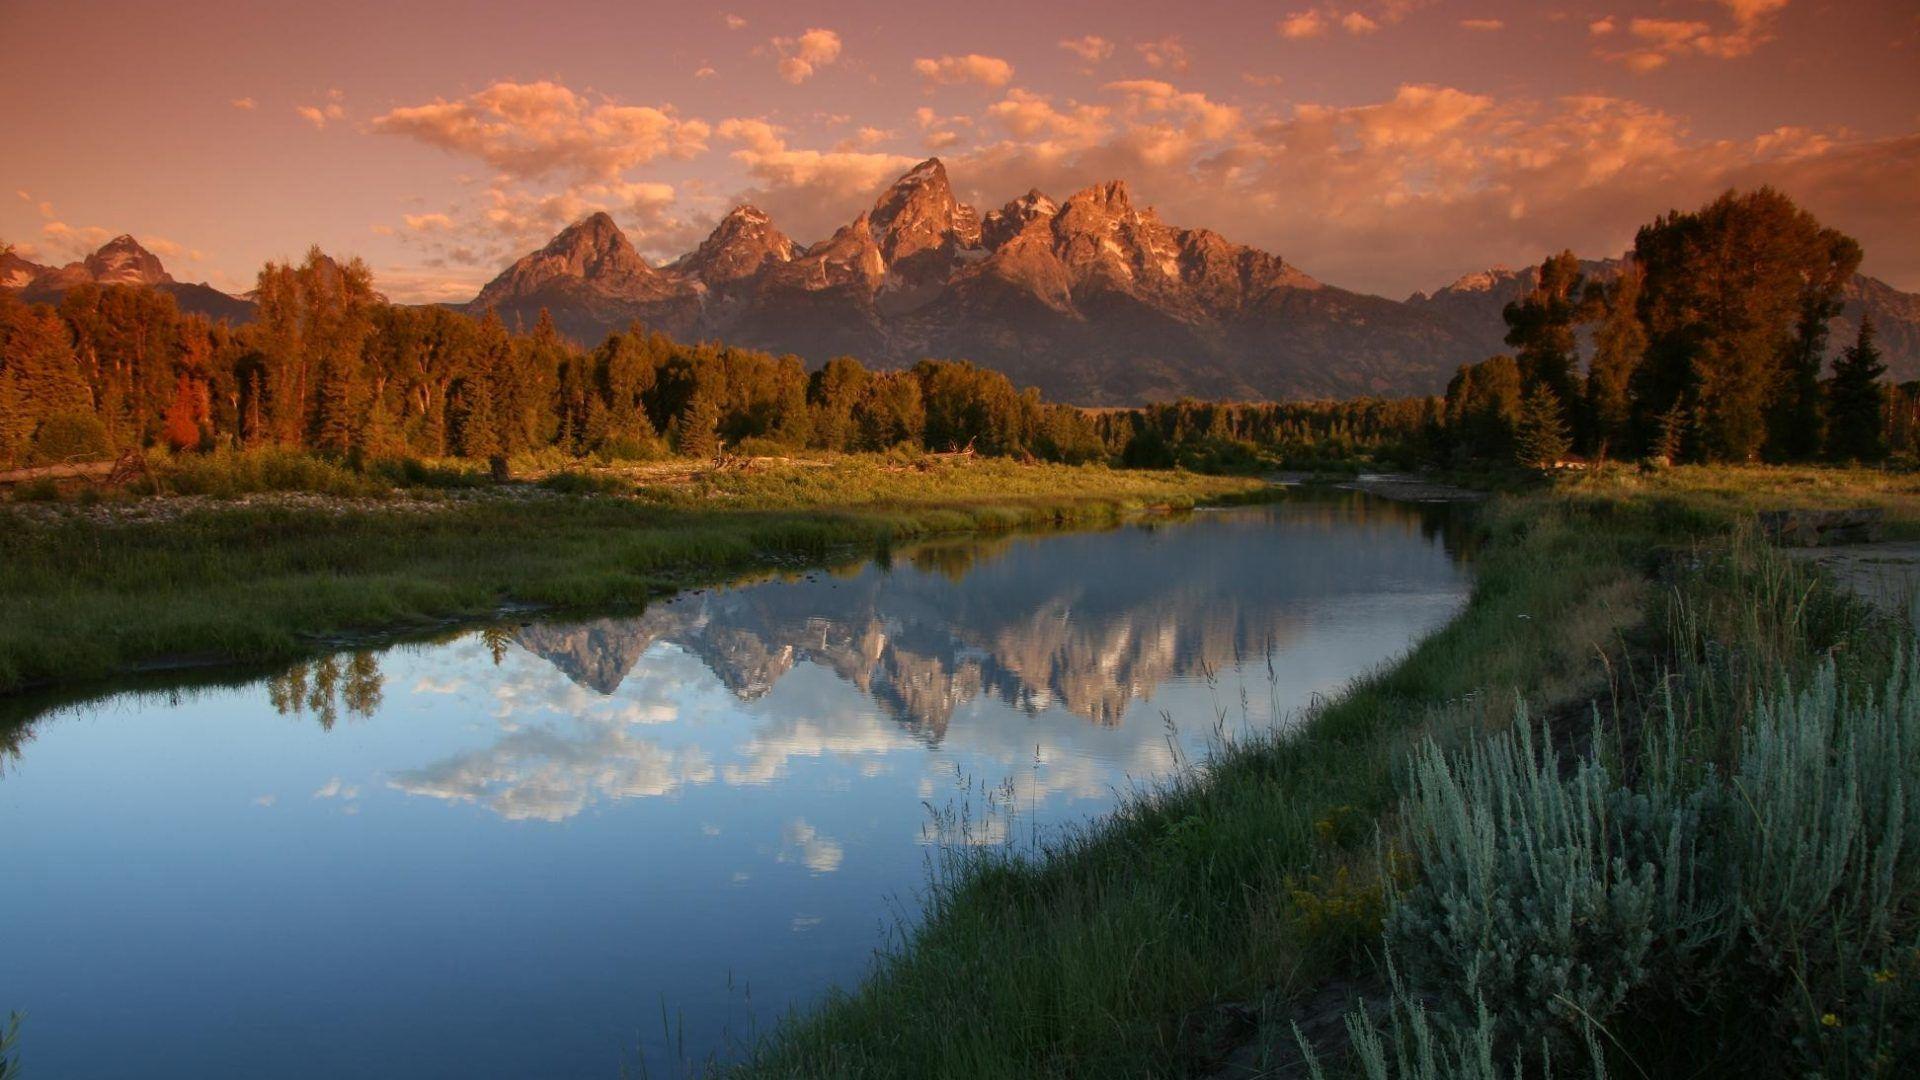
[1737, 892]
[1552, 898]
[251, 582]
[1246, 879]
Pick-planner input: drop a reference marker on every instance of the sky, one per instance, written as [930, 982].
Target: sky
[1385, 146]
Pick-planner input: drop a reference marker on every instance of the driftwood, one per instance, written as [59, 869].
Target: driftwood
[1822, 528]
[123, 470]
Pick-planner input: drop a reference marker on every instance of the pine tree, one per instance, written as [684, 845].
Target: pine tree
[695, 430]
[1857, 429]
[1541, 437]
[1619, 345]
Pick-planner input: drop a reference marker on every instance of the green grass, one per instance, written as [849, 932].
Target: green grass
[270, 578]
[1254, 879]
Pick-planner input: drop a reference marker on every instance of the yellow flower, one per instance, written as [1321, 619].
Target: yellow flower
[1830, 1020]
[1883, 976]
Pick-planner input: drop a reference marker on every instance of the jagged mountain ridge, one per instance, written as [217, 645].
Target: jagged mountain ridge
[1095, 300]
[120, 261]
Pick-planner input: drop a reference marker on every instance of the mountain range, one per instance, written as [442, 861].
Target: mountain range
[1094, 300]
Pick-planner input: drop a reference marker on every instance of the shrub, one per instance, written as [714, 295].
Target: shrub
[69, 436]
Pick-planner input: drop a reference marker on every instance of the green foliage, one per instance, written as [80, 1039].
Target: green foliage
[10, 1049]
[1541, 437]
[70, 437]
[1858, 420]
[1776, 896]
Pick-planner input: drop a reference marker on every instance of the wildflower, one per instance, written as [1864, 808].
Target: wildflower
[1830, 1020]
[1883, 976]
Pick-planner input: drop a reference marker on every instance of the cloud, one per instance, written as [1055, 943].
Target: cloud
[807, 190]
[1026, 114]
[76, 241]
[246, 103]
[800, 841]
[801, 57]
[335, 788]
[547, 774]
[1654, 42]
[1483, 24]
[1300, 25]
[320, 115]
[705, 71]
[529, 130]
[734, 22]
[971, 68]
[1356, 23]
[1168, 54]
[1092, 48]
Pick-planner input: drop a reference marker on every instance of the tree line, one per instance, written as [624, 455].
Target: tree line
[1710, 344]
[328, 366]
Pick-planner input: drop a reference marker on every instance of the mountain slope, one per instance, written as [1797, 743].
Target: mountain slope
[1095, 300]
[120, 261]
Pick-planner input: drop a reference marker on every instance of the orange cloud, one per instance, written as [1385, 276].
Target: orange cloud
[801, 57]
[971, 68]
[1091, 48]
[528, 130]
[1168, 53]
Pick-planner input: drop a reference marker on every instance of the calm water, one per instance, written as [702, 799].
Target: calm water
[509, 853]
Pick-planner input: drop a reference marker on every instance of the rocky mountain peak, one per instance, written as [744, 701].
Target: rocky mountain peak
[122, 261]
[918, 214]
[745, 241]
[1012, 219]
[591, 253]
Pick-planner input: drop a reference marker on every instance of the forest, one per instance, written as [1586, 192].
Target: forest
[1710, 345]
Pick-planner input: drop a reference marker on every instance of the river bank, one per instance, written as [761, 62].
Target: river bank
[97, 588]
[1192, 930]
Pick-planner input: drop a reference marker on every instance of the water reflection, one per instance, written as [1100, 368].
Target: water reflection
[548, 829]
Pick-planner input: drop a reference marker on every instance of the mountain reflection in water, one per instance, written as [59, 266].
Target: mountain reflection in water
[504, 850]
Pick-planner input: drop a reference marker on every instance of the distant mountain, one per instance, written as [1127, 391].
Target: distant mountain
[1094, 300]
[1473, 305]
[120, 261]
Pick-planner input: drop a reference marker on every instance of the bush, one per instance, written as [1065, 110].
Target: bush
[1543, 899]
[575, 482]
[69, 437]
[1782, 901]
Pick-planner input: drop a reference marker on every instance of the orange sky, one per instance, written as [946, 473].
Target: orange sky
[1381, 146]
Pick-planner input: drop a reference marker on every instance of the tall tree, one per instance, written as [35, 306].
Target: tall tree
[1541, 437]
[1540, 325]
[1857, 431]
[1727, 289]
[1619, 346]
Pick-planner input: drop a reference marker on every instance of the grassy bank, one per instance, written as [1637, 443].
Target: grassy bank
[1191, 930]
[88, 589]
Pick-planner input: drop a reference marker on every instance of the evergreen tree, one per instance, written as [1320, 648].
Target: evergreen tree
[1619, 345]
[1541, 438]
[695, 430]
[1857, 431]
[1541, 326]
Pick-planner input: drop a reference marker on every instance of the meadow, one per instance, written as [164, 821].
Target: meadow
[270, 555]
